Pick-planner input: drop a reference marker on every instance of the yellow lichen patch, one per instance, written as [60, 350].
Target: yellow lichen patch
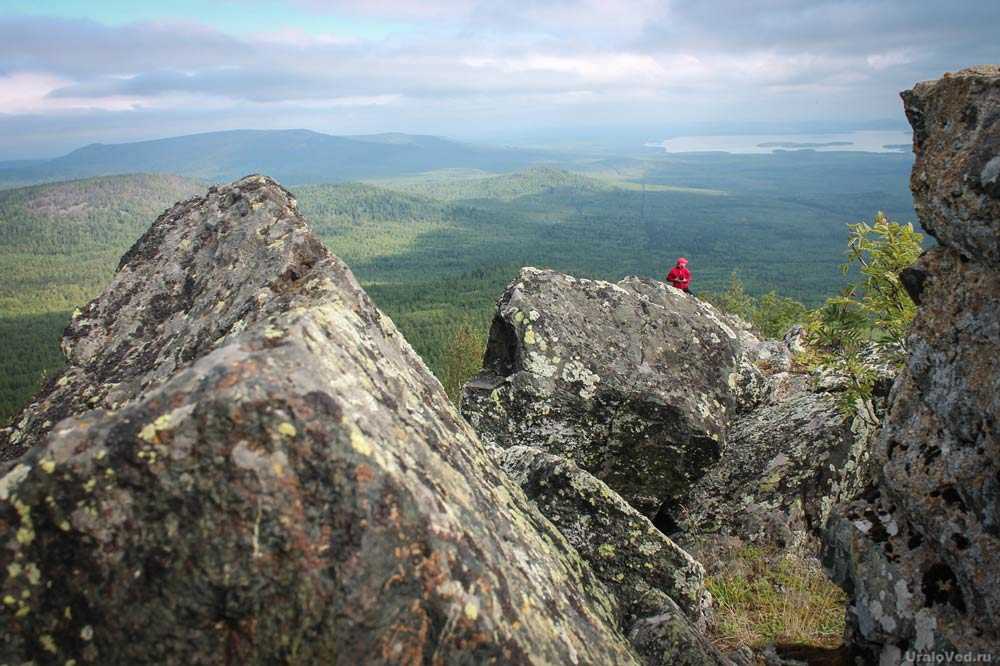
[359, 443]
[529, 336]
[150, 430]
[47, 465]
[34, 575]
[472, 609]
[26, 534]
[9, 600]
[13, 570]
[89, 485]
[22, 611]
[48, 643]
[287, 429]
[272, 333]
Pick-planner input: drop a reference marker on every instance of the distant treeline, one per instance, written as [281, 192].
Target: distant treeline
[436, 251]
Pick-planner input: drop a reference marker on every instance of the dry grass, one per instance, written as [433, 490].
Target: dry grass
[763, 597]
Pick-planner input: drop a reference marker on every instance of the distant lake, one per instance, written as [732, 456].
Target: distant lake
[895, 141]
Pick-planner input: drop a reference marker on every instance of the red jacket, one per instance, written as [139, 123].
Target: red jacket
[679, 277]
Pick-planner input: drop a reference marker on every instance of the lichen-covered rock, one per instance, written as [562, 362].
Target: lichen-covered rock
[667, 639]
[956, 176]
[274, 477]
[633, 381]
[622, 546]
[210, 266]
[920, 554]
[753, 388]
[783, 468]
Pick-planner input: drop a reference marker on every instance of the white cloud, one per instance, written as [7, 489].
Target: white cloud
[886, 59]
[462, 65]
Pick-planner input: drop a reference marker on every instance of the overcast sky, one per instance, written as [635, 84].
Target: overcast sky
[74, 72]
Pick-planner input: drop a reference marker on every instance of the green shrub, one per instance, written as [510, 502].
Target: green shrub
[770, 315]
[874, 312]
[462, 359]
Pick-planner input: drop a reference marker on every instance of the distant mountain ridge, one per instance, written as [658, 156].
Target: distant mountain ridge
[294, 157]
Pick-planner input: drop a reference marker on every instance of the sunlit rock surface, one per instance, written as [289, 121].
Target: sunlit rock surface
[270, 475]
[633, 381]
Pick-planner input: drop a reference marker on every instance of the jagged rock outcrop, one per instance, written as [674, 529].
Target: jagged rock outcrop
[272, 476]
[679, 408]
[632, 381]
[619, 542]
[920, 554]
[783, 468]
[656, 584]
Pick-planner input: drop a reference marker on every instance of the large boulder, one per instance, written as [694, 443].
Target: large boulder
[632, 381]
[621, 545]
[920, 554]
[272, 476]
[956, 177]
[783, 468]
[652, 579]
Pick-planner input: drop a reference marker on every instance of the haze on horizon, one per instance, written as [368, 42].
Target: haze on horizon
[73, 72]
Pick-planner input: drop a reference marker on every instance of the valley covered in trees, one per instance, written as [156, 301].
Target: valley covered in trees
[436, 249]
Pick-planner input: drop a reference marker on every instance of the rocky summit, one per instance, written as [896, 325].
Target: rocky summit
[244, 462]
[634, 381]
[920, 553]
[680, 409]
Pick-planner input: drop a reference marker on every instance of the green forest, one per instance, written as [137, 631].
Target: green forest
[435, 250]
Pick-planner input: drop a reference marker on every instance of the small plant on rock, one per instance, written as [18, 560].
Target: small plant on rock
[872, 316]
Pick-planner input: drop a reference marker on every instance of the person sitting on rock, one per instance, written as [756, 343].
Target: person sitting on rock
[679, 276]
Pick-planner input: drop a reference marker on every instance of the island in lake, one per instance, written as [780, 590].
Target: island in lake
[795, 144]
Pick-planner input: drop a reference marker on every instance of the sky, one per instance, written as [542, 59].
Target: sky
[74, 72]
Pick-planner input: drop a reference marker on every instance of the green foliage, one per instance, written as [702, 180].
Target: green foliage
[873, 313]
[880, 252]
[435, 250]
[463, 359]
[771, 315]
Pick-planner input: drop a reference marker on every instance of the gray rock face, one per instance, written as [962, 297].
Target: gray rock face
[621, 544]
[920, 554]
[783, 468]
[212, 264]
[273, 476]
[632, 381]
[667, 639]
[651, 578]
[956, 177]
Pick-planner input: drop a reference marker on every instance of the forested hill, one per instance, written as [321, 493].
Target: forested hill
[59, 244]
[434, 250]
[291, 156]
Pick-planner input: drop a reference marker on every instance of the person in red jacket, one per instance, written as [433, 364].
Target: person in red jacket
[680, 276]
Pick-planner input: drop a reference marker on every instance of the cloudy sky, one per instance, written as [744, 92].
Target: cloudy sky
[74, 72]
